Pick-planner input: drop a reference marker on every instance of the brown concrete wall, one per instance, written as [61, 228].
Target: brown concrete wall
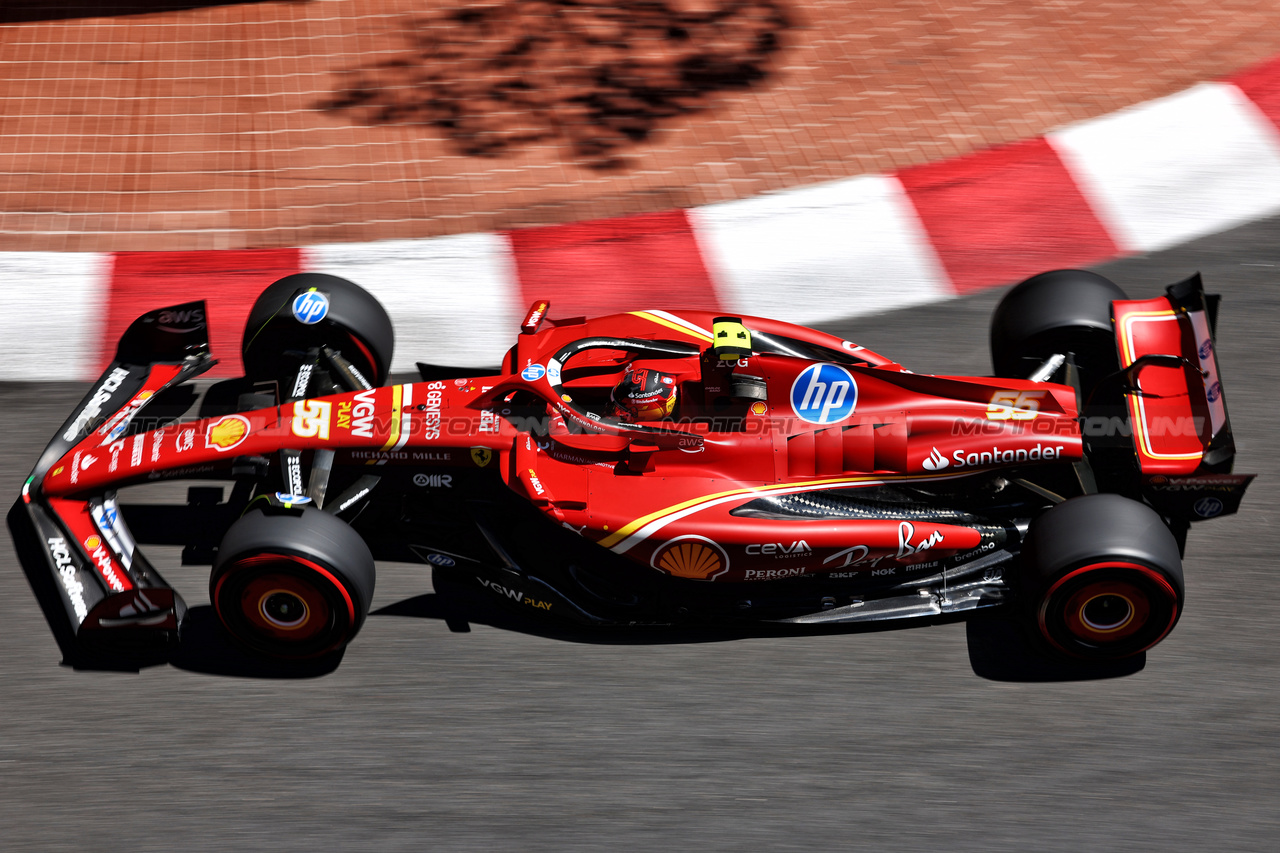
[287, 123]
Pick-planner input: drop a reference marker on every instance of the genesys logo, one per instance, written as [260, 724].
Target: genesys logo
[824, 394]
[935, 461]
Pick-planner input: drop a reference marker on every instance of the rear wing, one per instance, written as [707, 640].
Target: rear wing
[1176, 403]
[78, 552]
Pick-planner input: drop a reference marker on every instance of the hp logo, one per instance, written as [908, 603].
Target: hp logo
[824, 394]
[1208, 507]
[310, 308]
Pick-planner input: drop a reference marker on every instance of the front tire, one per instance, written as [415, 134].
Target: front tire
[341, 315]
[1101, 577]
[292, 584]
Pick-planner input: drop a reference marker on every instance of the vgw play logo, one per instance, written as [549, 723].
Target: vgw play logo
[824, 394]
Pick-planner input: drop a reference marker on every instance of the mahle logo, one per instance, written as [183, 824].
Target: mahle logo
[824, 394]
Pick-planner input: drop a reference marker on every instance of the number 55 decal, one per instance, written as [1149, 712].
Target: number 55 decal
[1014, 405]
[311, 419]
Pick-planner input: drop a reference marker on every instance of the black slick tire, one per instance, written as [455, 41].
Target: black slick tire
[1101, 577]
[352, 322]
[292, 584]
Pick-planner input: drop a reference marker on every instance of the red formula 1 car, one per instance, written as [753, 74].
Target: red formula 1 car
[647, 468]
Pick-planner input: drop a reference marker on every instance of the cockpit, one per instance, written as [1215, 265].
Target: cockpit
[627, 384]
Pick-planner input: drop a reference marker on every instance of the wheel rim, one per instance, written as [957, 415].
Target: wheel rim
[1108, 610]
[284, 605]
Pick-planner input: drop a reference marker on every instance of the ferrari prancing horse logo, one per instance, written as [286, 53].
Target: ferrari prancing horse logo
[481, 456]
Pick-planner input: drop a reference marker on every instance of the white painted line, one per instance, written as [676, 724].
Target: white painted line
[1170, 170]
[452, 299]
[52, 314]
[825, 252]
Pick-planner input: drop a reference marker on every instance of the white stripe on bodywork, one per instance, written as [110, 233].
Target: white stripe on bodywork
[406, 416]
[681, 322]
[658, 523]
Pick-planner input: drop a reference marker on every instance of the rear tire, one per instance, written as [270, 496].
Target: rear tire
[292, 584]
[1056, 312]
[1101, 577]
[352, 322]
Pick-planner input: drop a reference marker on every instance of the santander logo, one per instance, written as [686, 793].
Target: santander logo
[936, 461]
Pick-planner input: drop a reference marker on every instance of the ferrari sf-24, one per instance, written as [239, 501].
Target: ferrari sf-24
[651, 468]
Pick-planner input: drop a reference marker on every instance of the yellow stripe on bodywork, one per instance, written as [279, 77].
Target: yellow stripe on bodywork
[653, 318]
[631, 527]
[397, 393]
[1137, 410]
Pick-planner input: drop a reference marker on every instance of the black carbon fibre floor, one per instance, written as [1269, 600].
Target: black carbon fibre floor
[502, 740]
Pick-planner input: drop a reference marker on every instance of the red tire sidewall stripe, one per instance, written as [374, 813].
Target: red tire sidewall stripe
[321, 570]
[1147, 571]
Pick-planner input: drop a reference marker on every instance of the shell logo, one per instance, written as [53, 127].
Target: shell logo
[92, 543]
[695, 557]
[226, 432]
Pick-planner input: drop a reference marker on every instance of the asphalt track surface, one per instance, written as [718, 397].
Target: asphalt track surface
[502, 738]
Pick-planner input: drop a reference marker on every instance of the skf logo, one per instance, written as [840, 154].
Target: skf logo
[824, 394]
[1014, 405]
[311, 419]
[226, 432]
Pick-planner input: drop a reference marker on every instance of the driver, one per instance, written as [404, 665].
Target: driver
[644, 394]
